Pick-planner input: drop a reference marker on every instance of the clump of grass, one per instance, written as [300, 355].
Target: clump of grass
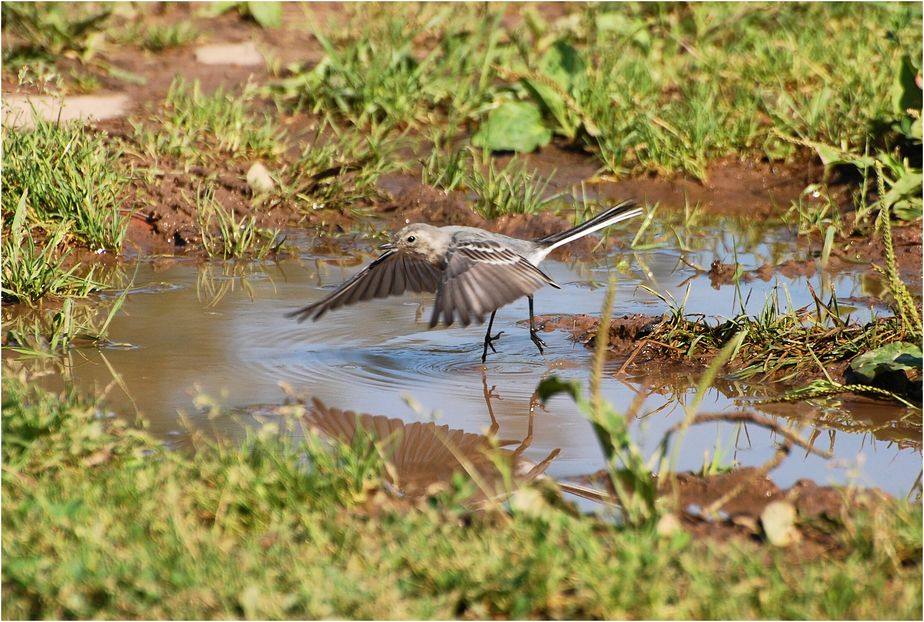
[164, 36]
[103, 522]
[71, 176]
[511, 190]
[197, 126]
[226, 235]
[775, 345]
[338, 168]
[31, 273]
[44, 31]
[442, 169]
[44, 333]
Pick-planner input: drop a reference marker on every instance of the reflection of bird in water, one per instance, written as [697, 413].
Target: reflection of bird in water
[424, 456]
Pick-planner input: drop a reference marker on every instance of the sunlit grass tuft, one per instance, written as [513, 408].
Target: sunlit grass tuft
[199, 126]
[73, 178]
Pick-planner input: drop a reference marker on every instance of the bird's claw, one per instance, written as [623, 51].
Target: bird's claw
[536, 340]
[489, 343]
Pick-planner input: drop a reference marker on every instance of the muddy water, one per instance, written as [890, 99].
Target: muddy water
[218, 329]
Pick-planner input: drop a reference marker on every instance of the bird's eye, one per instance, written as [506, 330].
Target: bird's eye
[411, 239]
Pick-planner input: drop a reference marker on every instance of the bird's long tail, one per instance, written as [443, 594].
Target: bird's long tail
[623, 211]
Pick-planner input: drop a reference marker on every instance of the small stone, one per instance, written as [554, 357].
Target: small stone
[241, 54]
[668, 525]
[259, 179]
[779, 522]
[20, 110]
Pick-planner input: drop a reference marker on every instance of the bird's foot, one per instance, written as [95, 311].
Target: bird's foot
[489, 343]
[536, 340]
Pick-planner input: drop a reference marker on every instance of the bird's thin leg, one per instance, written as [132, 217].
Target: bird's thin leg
[532, 328]
[488, 339]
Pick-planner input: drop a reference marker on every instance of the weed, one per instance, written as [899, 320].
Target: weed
[46, 30]
[440, 169]
[195, 124]
[161, 37]
[235, 237]
[72, 177]
[512, 190]
[902, 301]
[30, 273]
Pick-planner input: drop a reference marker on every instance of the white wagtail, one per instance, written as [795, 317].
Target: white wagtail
[472, 271]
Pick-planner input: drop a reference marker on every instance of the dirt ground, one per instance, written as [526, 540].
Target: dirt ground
[165, 221]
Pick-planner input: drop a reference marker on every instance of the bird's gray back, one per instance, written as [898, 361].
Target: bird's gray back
[461, 235]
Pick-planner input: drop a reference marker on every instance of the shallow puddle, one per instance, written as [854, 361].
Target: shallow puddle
[219, 329]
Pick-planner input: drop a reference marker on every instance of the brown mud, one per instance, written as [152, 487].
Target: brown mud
[730, 505]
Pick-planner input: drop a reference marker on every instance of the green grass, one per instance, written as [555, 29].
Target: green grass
[44, 31]
[511, 190]
[161, 37]
[226, 235]
[33, 270]
[101, 521]
[374, 71]
[201, 127]
[72, 177]
[646, 87]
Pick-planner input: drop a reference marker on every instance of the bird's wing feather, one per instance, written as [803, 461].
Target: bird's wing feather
[481, 276]
[393, 273]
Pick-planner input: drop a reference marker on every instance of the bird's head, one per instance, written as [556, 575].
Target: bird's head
[421, 239]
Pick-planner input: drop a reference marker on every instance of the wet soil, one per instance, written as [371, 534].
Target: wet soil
[729, 505]
[633, 340]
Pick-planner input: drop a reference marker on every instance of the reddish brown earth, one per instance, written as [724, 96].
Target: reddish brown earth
[732, 186]
[729, 505]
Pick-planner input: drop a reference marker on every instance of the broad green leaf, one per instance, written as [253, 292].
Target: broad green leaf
[267, 14]
[905, 91]
[553, 385]
[909, 211]
[908, 185]
[214, 9]
[555, 104]
[513, 126]
[899, 356]
[563, 64]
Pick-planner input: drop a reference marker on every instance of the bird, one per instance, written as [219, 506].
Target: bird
[472, 271]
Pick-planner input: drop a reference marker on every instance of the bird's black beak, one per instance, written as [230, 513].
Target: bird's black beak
[388, 246]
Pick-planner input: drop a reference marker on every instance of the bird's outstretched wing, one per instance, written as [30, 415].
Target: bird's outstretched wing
[481, 276]
[393, 273]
